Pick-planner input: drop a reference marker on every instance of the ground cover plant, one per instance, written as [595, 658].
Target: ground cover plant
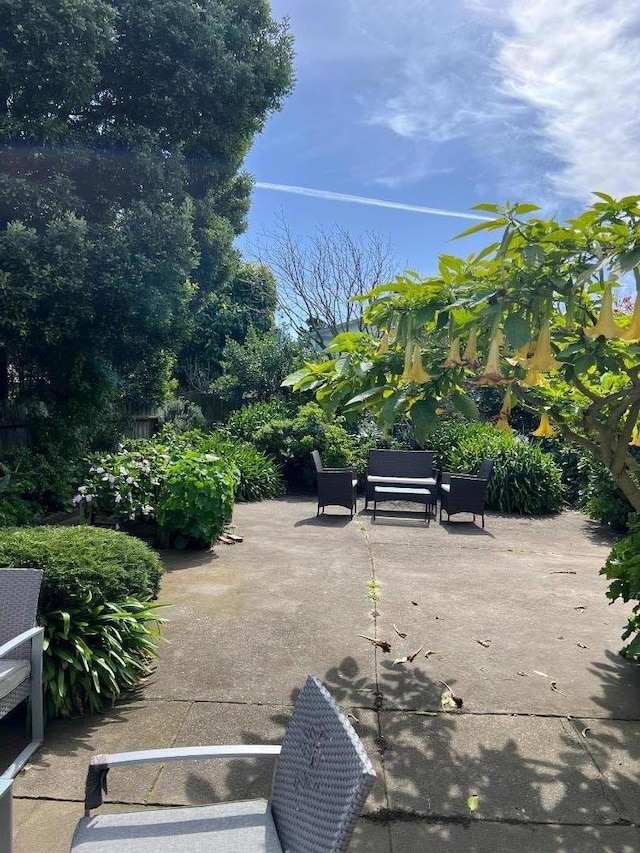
[96, 605]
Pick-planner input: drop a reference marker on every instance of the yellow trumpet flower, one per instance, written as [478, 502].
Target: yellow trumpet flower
[503, 422]
[543, 359]
[632, 332]
[635, 437]
[503, 415]
[384, 344]
[418, 373]
[545, 430]
[453, 356]
[606, 325]
[492, 374]
[532, 378]
[408, 355]
[520, 356]
[470, 356]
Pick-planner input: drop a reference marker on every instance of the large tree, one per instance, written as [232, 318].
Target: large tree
[532, 314]
[123, 126]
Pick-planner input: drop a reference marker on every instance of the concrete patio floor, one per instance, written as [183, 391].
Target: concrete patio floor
[513, 618]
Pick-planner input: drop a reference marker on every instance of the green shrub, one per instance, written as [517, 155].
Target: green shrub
[32, 485]
[173, 479]
[525, 480]
[575, 468]
[604, 500]
[291, 441]
[622, 569]
[101, 630]
[244, 423]
[184, 415]
[259, 476]
[196, 497]
[109, 565]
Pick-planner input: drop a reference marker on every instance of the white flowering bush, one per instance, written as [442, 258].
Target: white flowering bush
[174, 480]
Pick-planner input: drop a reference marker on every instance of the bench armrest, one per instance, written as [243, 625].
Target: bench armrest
[99, 765]
[14, 642]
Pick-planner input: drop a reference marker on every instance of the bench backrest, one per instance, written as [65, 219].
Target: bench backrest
[401, 463]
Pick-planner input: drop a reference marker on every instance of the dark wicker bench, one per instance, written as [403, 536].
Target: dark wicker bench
[411, 469]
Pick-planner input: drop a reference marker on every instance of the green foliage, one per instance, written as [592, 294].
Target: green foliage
[101, 630]
[531, 314]
[245, 422]
[254, 369]
[622, 569]
[183, 415]
[604, 501]
[259, 477]
[196, 498]
[81, 561]
[173, 478]
[95, 652]
[291, 441]
[123, 127]
[32, 484]
[524, 480]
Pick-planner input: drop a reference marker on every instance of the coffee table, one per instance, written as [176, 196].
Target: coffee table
[427, 496]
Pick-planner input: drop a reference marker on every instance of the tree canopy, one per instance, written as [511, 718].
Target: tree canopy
[123, 126]
[533, 314]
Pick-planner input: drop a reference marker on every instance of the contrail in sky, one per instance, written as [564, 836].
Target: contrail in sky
[372, 202]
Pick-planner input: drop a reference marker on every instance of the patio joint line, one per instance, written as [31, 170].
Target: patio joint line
[158, 772]
[406, 816]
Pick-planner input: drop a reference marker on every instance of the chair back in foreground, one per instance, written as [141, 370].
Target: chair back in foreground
[323, 776]
[21, 653]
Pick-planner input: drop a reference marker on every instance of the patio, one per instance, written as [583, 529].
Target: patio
[513, 618]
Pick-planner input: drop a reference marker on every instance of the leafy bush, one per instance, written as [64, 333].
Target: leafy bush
[32, 484]
[604, 500]
[196, 497]
[255, 368]
[259, 476]
[575, 468]
[525, 480]
[291, 441]
[622, 569]
[108, 565]
[184, 415]
[101, 629]
[244, 423]
[173, 479]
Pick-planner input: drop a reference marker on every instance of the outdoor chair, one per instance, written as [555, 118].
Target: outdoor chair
[465, 492]
[21, 654]
[336, 486]
[321, 780]
[406, 469]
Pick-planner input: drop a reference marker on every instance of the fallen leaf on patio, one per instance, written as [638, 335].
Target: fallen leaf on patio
[400, 660]
[523, 673]
[415, 603]
[381, 644]
[581, 607]
[585, 731]
[430, 652]
[473, 801]
[581, 646]
[563, 573]
[560, 637]
[554, 687]
[543, 674]
[449, 700]
[399, 633]
[485, 643]
[413, 656]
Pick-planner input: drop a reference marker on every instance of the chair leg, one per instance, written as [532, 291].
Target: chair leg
[483, 521]
[37, 710]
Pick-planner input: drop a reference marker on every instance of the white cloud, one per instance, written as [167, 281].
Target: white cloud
[544, 94]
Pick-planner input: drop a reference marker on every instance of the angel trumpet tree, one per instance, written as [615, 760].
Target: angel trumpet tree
[533, 314]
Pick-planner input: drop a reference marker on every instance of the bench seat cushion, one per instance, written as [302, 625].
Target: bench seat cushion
[242, 827]
[405, 481]
[12, 674]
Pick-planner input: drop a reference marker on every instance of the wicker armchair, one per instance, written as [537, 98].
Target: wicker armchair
[21, 654]
[465, 492]
[336, 486]
[321, 781]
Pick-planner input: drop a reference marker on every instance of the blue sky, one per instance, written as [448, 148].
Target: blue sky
[446, 103]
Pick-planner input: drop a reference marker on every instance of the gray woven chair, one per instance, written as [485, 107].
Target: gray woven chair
[336, 486]
[321, 781]
[465, 492]
[21, 654]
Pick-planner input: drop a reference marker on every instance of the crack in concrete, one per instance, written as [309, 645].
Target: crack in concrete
[406, 815]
